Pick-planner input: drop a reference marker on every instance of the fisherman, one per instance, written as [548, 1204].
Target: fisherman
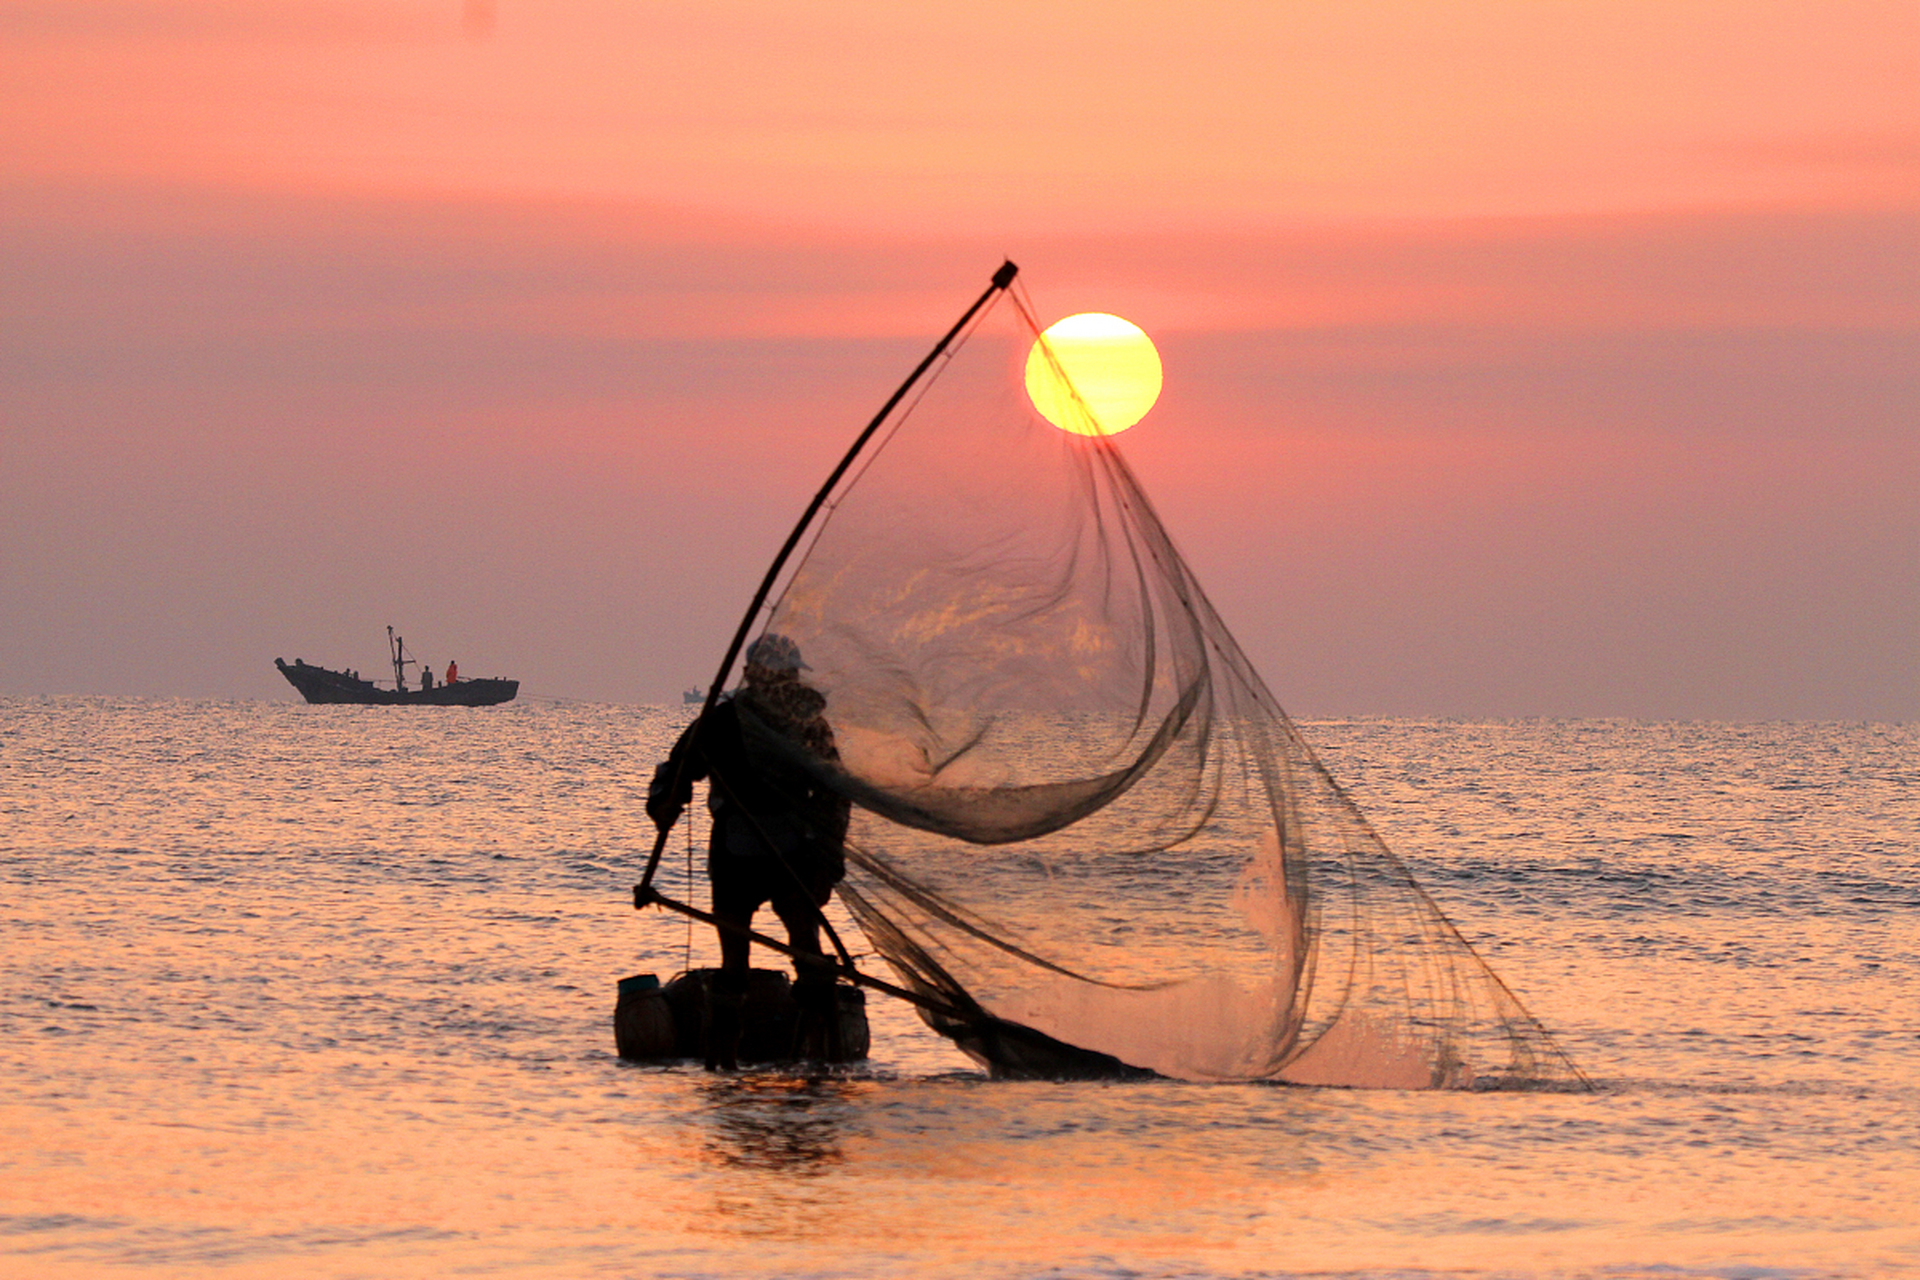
[426, 679]
[453, 671]
[778, 836]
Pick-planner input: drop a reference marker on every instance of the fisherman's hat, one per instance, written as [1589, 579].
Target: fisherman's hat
[775, 653]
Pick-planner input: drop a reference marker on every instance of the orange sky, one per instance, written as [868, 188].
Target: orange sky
[1010, 118]
[1592, 327]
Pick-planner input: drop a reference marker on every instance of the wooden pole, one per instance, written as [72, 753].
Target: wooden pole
[644, 896]
[1001, 279]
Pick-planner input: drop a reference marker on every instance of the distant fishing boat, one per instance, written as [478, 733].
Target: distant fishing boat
[319, 684]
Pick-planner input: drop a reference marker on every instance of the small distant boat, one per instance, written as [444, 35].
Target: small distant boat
[693, 697]
[319, 684]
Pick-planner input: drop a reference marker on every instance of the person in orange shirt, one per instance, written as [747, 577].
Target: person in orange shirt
[453, 673]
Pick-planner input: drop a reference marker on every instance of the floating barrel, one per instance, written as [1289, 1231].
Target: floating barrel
[655, 1023]
[642, 1021]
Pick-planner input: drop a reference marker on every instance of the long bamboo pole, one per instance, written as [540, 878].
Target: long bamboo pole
[1001, 279]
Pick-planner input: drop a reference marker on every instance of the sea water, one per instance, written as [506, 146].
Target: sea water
[327, 991]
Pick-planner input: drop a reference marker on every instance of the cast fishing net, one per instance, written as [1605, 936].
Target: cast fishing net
[1083, 828]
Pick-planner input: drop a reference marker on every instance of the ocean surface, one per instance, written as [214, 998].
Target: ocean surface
[327, 991]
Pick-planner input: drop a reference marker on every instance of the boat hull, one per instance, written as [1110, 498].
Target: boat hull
[319, 685]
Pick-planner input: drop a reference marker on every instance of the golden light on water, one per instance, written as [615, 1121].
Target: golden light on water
[1110, 362]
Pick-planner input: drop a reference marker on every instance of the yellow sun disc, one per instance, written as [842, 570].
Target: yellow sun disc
[1109, 362]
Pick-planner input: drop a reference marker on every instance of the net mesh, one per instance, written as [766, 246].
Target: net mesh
[1081, 822]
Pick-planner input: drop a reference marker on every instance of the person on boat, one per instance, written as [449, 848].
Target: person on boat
[778, 836]
[426, 679]
[453, 671]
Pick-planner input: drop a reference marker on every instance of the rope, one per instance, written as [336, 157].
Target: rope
[687, 965]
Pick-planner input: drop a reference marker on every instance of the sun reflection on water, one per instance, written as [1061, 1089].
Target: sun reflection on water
[281, 994]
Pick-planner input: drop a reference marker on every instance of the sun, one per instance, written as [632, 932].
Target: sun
[1109, 361]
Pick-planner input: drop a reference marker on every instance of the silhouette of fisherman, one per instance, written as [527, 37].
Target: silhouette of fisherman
[778, 836]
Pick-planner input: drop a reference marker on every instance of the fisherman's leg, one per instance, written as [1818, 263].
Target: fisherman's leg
[734, 902]
[735, 946]
[817, 1033]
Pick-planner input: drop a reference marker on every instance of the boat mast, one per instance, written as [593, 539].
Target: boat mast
[398, 652]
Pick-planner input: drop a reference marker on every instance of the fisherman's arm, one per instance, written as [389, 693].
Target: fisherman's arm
[673, 778]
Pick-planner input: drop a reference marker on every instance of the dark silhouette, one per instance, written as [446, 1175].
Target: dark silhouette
[318, 684]
[778, 836]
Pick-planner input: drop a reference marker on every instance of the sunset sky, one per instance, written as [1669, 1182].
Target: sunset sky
[1526, 358]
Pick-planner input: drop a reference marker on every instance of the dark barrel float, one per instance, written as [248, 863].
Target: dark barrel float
[654, 1023]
